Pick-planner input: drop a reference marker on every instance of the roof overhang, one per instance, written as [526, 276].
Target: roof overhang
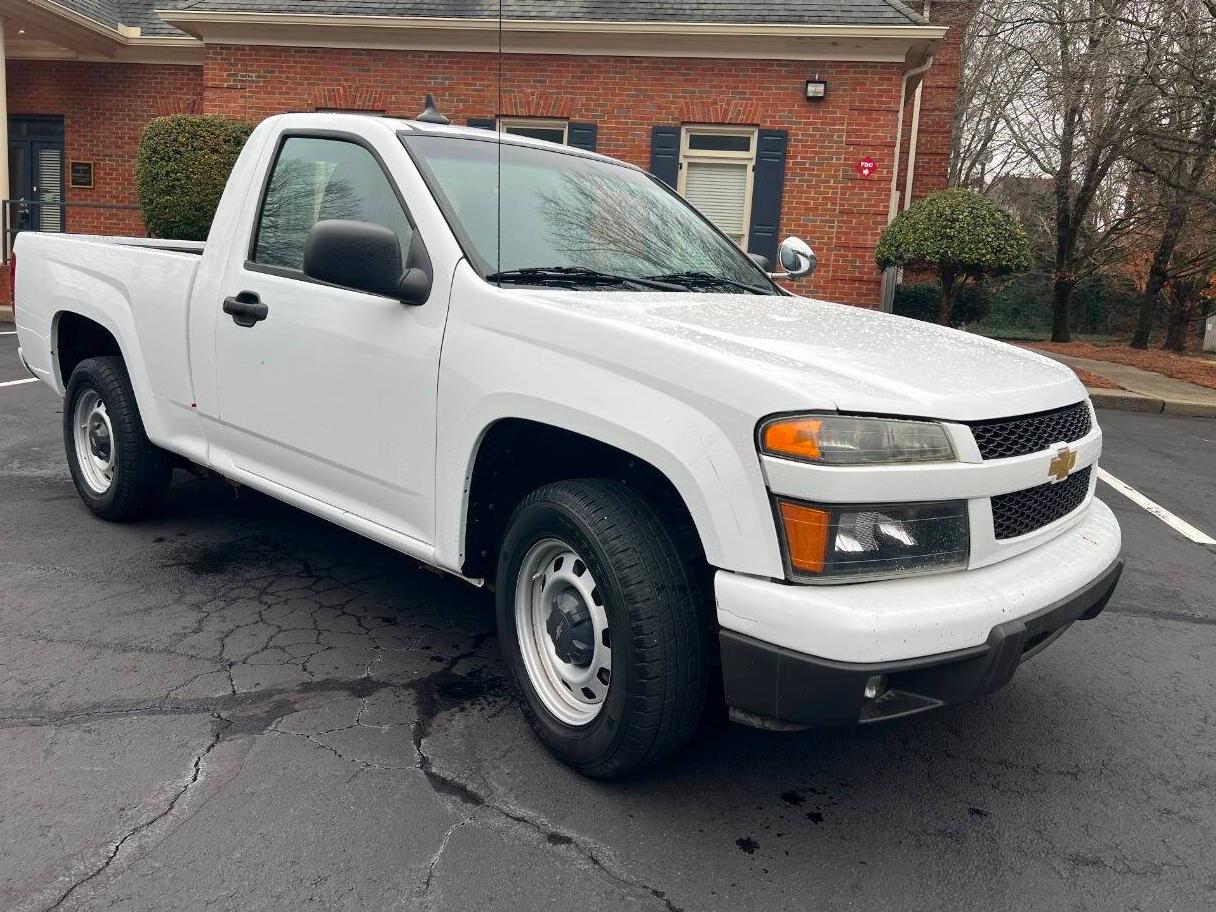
[59, 33]
[882, 43]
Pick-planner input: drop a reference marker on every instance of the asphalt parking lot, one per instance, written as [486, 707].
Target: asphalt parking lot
[238, 706]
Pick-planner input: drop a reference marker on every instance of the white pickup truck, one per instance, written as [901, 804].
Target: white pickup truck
[669, 469]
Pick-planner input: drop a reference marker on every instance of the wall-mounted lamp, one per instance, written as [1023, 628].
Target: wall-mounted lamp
[816, 89]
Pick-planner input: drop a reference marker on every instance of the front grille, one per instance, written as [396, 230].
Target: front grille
[1005, 437]
[1024, 511]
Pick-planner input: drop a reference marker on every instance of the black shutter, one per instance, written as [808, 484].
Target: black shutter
[581, 136]
[665, 155]
[482, 123]
[767, 187]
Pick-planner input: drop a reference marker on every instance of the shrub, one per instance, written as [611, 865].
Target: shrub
[924, 301]
[960, 235]
[181, 167]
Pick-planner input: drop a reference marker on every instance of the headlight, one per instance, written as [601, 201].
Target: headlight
[843, 440]
[823, 543]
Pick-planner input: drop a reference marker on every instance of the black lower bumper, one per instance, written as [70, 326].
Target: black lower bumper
[770, 686]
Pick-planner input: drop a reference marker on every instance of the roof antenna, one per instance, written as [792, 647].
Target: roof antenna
[430, 113]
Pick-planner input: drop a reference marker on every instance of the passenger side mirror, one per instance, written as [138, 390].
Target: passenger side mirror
[796, 258]
[762, 261]
[363, 256]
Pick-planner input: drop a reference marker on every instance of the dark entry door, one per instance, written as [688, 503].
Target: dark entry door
[35, 173]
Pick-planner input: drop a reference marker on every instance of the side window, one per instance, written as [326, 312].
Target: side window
[315, 179]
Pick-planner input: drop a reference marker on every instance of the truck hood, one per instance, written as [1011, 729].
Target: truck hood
[854, 359]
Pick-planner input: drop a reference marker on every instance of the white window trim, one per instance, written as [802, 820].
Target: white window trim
[505, 123]
[708, 156]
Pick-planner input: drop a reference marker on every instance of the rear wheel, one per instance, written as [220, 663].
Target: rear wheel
[603, 622]
[118, 472]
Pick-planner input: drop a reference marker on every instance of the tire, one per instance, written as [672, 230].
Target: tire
[649, 595]
[100, 405]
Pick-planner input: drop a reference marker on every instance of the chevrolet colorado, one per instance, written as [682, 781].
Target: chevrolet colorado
[585, 396]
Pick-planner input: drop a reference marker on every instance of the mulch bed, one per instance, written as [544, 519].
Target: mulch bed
[1199, 369]
[1095, 381]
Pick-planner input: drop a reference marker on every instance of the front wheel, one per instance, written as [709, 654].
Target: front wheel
[118, 472]
[603, 622]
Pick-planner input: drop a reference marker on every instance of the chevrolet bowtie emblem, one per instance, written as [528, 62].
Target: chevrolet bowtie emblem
[1062, 463]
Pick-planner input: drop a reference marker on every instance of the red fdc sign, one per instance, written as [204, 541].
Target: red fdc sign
[866, 167]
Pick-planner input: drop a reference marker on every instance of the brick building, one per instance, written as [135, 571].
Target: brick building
[821, 120]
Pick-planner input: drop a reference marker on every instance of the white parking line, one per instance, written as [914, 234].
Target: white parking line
[1178, 525]
[8, 333]
[15, 382]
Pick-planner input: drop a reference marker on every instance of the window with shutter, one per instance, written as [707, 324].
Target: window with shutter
[716, 176]
[50, 188]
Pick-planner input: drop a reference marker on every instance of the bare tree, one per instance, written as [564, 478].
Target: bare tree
[1174, 147]
[1076, 87]
[981, 149]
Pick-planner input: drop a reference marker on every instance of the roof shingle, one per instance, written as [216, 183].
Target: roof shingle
[797, 12]
[141, 13]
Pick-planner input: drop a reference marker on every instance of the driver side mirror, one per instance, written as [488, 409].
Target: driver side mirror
[796, 258]
[363, 256]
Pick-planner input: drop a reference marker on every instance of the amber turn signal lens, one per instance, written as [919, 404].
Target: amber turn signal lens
[797, 437]
[806, 536]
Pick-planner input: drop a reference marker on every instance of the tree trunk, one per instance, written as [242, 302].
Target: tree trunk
[1179, 321]
[1148, 306]
[1159, 270]
[949, 291]
[1066, 232]
[1061, 307]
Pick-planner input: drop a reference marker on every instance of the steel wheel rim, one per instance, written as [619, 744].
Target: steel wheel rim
[552, 589]
[93, 436]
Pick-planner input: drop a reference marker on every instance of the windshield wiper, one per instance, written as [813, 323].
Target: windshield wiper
[694, 278]
[574, 276]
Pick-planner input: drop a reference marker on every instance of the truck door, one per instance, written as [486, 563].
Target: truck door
[330, 392]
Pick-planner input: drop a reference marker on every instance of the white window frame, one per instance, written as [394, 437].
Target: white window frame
[506, 123]
[710, 156]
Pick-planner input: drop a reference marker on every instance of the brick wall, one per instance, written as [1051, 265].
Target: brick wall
[825, 201]
[105, 107]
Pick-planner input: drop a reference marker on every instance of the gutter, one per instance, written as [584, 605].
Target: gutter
[910, 180]
[185, 17]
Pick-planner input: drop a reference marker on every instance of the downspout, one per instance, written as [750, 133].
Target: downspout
[890, 277]
[910, 179]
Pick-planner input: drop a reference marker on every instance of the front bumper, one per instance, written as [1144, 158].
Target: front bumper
[771, 687]
[802, 655]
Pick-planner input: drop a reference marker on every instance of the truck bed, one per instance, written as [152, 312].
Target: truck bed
[138, 288]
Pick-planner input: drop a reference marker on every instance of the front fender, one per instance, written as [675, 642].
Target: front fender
[493, 369]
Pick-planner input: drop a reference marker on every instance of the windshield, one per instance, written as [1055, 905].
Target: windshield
[570, 218]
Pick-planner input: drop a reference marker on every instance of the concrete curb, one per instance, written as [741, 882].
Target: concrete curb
[1127, 401]
[6, 314]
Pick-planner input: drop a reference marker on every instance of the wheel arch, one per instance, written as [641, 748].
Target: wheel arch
[76, 337]
[87, 331]
[514, 456]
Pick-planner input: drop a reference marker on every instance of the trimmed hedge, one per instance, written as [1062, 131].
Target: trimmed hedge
[958, 234]
[956, 230]
[181, 167]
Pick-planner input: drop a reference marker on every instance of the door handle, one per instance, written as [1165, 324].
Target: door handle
[246, 308]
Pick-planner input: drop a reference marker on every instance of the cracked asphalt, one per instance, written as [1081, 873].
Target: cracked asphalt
[238, 706]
